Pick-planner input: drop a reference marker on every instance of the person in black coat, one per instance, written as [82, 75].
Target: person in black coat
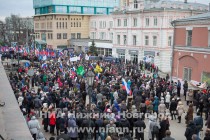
[139, 128]
[190, 130]
[163, 128]
[124, 123]
[172, 109]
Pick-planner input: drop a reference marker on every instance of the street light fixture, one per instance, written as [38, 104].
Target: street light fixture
[90, 78]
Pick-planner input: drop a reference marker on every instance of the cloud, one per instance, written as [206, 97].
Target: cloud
[21, 7]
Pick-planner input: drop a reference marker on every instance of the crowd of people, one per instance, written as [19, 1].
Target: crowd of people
[56, 91]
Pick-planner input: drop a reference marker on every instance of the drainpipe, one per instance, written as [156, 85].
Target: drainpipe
[172, 54]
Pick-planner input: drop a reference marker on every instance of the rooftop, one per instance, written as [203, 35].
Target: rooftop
[196, 17]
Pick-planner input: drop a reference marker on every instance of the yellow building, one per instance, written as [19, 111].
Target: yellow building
[57, 29]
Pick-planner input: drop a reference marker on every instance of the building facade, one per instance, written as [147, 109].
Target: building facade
[191, 55]
[142, 29]
[58, 21]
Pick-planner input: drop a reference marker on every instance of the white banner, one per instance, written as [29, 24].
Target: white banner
[73, 59]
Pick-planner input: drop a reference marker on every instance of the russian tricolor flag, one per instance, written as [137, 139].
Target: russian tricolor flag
[126, 87]
[61, 67]
[44, 65]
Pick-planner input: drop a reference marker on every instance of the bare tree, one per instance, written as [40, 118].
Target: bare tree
[3, 33]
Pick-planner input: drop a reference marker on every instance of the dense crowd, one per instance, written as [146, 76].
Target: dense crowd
[56, 91]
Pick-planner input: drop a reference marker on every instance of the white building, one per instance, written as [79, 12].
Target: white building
[143, 29]
[101, 28]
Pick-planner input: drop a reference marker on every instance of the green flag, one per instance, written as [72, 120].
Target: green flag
[80, 71]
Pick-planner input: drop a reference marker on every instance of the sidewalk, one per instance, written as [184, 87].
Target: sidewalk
[12, 123]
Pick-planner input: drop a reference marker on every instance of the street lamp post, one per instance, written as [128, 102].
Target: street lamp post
[90, 78]
[34, 46]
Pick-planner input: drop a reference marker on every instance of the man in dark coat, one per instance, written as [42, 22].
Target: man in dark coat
[124, 123]
[190, 130]
[172, 109]
[139, 128]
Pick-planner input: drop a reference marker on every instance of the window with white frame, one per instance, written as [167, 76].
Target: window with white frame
[134, 40]
[170, 41]
[93, 35]
[118, 22]
[189, 37]
[100, 24]
[102, 35]
[124, 40]
[135, 4]
[104, 24]
[154, 40]
[146, 40]
[155, 21]
[147, 21]
[187, 74]
[135, 22]
[118, 39]
[111, 36]
[110, 24]
[93, 24]
[125, 22]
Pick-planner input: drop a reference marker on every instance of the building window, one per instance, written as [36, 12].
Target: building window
[60, 25]
[58, 35]
[43, 26]
[93, 35]
[147, 21]
[135, 4]
[100, 24]
[63, 25]
[154, 40]
[102, 35]
[189, 38]
[66, 25]
[155, 21]
[187, 74]
[118, 39]
[100, 51]
[135, 22]
[73, 36]
[110, 24]
[79, 24]
[146, 40]
[125, 22]
[108, 52]
[111, 36]
[37, 26]
[124, 39]
[64, 35]
[134, 40]
[169, 41]
[118, 22]
[104, 24]
[78, 35]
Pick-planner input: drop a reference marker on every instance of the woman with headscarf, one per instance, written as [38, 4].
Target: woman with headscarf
[72, 127]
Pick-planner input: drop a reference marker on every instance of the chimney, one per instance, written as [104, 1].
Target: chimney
[185, 1]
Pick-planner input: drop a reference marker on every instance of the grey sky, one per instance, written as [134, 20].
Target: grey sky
[24, 8]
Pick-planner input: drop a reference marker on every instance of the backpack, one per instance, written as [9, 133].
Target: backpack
[155, 129]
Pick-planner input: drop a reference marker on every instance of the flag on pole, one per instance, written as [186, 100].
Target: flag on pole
[126, 87]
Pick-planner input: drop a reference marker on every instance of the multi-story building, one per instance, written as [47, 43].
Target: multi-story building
[59, 21]
[142, 29]
[191, 54]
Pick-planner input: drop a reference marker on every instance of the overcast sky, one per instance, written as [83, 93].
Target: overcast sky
[24, 8]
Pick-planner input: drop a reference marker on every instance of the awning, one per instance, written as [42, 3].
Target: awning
[41, 42]
[102, 45]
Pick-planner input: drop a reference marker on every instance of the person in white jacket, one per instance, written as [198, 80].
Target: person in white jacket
[168, 99]
[34, 126]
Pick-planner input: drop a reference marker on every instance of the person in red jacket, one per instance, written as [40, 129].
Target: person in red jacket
[52, 121]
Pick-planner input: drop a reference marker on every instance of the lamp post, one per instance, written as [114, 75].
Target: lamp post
[34, 46]
[90, 78]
